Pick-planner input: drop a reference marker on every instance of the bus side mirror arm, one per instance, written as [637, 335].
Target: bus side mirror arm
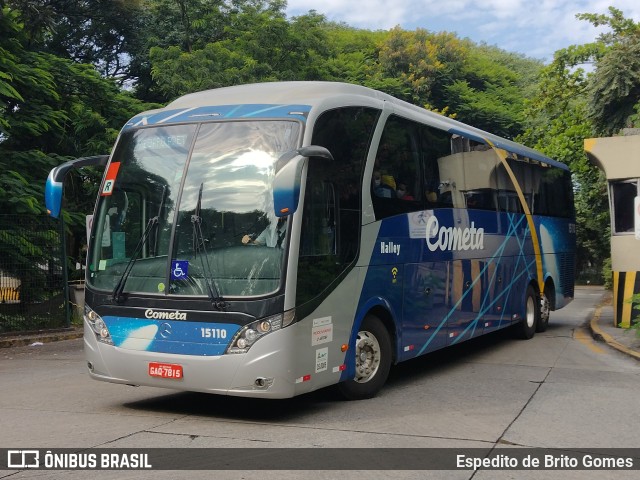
[55, 182]
[315, 151]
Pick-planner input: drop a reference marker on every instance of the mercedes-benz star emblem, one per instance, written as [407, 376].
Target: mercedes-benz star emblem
[165, 330]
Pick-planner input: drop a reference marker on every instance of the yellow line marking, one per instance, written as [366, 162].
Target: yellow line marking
[584, 338]
[598, 333]
[502, 155]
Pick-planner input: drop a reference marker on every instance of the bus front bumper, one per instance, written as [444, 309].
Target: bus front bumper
[261, 372]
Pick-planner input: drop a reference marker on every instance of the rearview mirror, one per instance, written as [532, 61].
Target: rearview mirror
[286, 184]
[315, 151]
[55, 182]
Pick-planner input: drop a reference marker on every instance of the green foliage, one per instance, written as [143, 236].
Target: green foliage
[257, 45]
[571, 105]
[97, 32]
[63, 64]
[635, 322]
[614, 89]
[557, 124]
[18, 195]
[253, 41]
[479, 85]
[607, 274]
[51, 109]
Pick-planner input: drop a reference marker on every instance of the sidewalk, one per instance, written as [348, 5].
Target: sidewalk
[39, 337]
[603, 330]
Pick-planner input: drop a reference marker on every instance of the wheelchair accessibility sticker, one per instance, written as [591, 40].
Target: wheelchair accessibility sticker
[179, 269]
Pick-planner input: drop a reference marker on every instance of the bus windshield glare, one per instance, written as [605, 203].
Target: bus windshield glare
[189, 210]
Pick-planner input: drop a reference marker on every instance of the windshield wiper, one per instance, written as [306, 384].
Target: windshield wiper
[117, 291]
[198, 243]
[117, 296]
[154, 248]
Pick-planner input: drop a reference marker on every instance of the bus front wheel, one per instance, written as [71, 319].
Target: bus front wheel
[372, 361]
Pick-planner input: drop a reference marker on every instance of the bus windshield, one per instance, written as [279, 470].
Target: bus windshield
[188, 209]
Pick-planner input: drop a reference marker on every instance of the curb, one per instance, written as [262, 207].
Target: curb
[599, 335]
[41, 337]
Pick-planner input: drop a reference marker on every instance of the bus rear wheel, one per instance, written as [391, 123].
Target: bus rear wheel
[527, 327]
[545, 313]
[372, 361]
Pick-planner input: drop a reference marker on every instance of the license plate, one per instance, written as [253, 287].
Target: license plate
[165, 370]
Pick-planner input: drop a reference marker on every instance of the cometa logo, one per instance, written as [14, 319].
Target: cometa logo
[177, 315]
[453, 238]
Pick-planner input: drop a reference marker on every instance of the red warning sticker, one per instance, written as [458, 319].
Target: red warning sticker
[110, 179]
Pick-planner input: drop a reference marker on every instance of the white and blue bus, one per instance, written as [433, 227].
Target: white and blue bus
[272, 239]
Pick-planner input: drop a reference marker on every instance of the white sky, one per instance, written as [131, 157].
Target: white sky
[536, 28]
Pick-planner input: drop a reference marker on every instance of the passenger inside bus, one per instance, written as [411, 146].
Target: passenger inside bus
[270, 236]
[402, 192]
[383, 185]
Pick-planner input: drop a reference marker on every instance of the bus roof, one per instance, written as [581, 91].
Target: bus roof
[314, 94]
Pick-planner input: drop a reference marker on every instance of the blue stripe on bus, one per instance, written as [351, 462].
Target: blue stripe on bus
[174, 336]
[486, 300]
[190, 115]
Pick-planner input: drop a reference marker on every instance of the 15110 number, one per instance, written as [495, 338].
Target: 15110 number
[213, 333]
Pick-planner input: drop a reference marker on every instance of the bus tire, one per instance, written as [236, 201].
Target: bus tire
[545, 312]
[372, 360]
[527, 327]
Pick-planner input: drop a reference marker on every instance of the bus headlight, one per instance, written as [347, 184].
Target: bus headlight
[251, 333]
[98, 326]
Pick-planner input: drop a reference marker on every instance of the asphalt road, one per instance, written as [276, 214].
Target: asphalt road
[559, 390]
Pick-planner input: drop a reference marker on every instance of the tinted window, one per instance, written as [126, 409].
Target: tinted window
[553, 195]
[396, 186]
[434, 145]
[332, 204]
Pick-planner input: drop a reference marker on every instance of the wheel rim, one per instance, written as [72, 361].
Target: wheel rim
[531, 312]
[545, 308]
[367, 357]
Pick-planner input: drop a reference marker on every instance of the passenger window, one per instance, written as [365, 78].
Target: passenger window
[330, 235]
[395, 185]
[435, 145]
[320, 209]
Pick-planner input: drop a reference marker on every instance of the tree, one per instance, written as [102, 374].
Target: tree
[104, 34]
[614, 89]
[479, 85]
[52, 109]
[258, 44]
[557, 123]
[573, 105]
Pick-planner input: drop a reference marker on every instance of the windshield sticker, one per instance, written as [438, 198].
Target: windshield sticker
[179, 269]
[110, 179]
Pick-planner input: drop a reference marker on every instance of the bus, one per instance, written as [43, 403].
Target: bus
[269, 240]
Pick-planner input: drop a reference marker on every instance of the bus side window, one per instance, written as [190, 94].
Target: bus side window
[330, 234]
[396, 186]
[319, 219]
[434, 144]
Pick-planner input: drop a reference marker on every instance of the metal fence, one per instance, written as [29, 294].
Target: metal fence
[33, 293]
